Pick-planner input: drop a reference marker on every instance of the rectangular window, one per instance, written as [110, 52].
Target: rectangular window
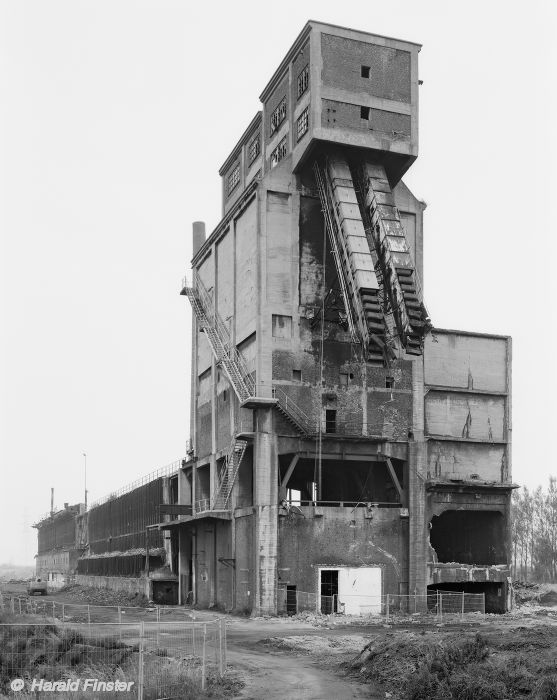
[302, 124]
[303, 81]
[365, 71]
[297, 375]
[234, 178]
[279, 153]
[364, 112]
[330, 421]
[278, 116]
[389, 382]
[254, 149]
[282, 326]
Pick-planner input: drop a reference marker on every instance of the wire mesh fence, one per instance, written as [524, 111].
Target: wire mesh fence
[81, 612]
[146, 660]
[439, 604]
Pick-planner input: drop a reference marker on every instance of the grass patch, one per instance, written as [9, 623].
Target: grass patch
[439, 665]
[34, 649]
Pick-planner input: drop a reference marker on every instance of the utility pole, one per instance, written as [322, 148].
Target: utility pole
[85, 475]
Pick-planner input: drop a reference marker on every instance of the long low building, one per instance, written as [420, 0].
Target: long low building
[118, 542]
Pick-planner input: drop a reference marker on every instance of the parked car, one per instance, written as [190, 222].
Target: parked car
[36, 585]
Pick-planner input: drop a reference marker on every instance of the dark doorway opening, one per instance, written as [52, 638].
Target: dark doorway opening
[495, 593]
[291, 600]
[165, 592]
[329, 591]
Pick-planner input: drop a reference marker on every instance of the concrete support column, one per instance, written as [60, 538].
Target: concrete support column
[417, 462]
[184, 556]
[266, 513]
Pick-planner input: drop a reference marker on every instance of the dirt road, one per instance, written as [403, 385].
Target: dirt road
[268, 673]
[275, 675]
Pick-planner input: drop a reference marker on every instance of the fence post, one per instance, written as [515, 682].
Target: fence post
[158, 624]
[89, 614]
[462, 610]
[440, 607]
[12, 605]
[1, 601]
[203, 657]
[53, 609]
[63, 611]
[220, 647]
[193, 639]
[387, 608]
[140, 669]
[224, 646]
[19, 600]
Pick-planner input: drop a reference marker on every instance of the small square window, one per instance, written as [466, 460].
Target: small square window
[389, 382]
[364, 112]
[365, 71]
[343, 379]
[297, 375]
[282, 326]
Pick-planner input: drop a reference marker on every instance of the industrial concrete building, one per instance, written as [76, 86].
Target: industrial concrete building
[59, 545]
[342, 446]
[341, 442]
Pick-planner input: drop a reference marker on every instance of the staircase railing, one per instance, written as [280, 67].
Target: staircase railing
[228, 473]
[300, 417]
[219, 338]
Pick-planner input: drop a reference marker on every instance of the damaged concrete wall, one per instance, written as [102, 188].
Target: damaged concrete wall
[324, 536]
[467, 406]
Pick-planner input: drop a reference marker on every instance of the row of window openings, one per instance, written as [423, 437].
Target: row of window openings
[302, 126]
[254, 149]
[345, 378]
[277, 117]
[279, 113]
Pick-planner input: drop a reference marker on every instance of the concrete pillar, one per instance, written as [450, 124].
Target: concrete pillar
[184, 556]
[266, 513]
[417, 461]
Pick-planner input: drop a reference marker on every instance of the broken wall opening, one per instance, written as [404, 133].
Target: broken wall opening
[495, 593]
[469, 537]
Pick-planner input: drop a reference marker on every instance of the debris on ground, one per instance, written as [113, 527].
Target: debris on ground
[544, 594]
[75, 593]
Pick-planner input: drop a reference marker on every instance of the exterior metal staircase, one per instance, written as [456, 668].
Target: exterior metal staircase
[228, 474]
[293, 413]
[219, 338]
[227, 355]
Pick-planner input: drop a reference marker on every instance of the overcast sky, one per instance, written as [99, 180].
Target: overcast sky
[115, 117]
